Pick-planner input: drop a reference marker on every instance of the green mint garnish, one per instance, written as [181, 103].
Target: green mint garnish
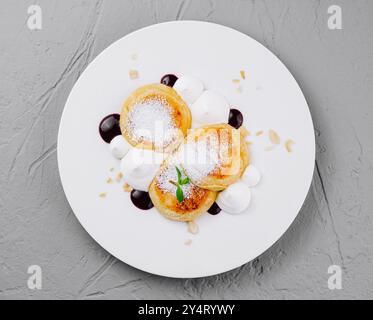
[179, 175]
[179, 194]
[184, 181]
[180, 182]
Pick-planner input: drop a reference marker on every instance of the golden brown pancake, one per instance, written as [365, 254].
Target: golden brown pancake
[163, 195]
[215, 156]
[155, 117]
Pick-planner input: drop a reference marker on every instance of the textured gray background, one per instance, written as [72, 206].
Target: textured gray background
[37, 72]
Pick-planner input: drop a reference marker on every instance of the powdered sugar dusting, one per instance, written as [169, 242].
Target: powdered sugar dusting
[200, 158]
[151, 120]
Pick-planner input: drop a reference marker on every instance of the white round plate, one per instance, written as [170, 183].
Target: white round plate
[269, 98]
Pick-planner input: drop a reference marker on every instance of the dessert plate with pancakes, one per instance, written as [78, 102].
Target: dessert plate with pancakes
[194, 157]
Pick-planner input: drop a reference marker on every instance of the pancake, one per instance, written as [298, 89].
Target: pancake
[155, 117]
[214, 156]
[163, 195]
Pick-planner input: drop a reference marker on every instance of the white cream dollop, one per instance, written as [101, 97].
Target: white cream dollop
[139, 167]
[189, 88]
[119, 147]
[251, 176]
[235, 199]
[210, 108]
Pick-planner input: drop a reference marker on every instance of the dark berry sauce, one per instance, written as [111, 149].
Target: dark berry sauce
[214, 210]
[235, 118]
[169, 80]
[141, 199]
[109, 127]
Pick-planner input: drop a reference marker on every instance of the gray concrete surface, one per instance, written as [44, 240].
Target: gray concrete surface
[37, 72]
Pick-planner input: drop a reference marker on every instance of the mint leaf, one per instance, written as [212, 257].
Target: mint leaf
[179, 194]
[178, 175]
[184, 181]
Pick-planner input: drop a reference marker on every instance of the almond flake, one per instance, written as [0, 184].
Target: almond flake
[127, 187]
[102, 195]
[288, 145]
[193, 227]
[188, 242]
[119, 177]
[273, 137]
[243, 75]
[259, 133]
[249, 143]
[109, 180]
[111, 169]
[236, 80]
[134, 74]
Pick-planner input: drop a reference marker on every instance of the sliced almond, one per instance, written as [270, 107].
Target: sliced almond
[288, 145]
[109, 180]
[236, 80]
[193, 227]
[119, 177]
[249, 143]
[111, 169]
[273, 137]
[188, 242]
[134, 74]
[127, 187]
[243, 74]
[102, 195]
[259, 133]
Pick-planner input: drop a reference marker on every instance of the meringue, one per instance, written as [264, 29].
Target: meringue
[235, 199]
[251, 176]
[210, 108]
[139, 167]
[189, 88]
[119, 147]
